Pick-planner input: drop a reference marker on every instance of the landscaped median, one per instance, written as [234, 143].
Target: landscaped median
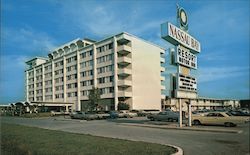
[23, 140]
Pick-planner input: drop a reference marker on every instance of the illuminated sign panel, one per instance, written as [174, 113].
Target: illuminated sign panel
[186, 83]
[184, 57]
[176, 36]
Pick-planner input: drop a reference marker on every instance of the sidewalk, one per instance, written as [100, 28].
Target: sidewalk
[192, 128]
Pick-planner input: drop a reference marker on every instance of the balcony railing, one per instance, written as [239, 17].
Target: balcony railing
[124, 83]
[124, 94]
[124, 60]
[124, 49]
[124, 71]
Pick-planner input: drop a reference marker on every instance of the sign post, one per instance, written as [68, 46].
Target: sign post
[185, 59]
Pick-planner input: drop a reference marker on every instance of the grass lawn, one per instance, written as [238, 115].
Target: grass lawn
[23, 140]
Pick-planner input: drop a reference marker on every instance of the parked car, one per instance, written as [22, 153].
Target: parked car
[115, 114]
[164, 116]
[84, 115]
[58, 113]
[218, 118]
[103, 115]
[142, 113]
[128, 114]
[77, 115]
[238, 113]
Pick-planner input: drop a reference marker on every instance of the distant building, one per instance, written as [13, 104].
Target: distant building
[201, 103]
[125, 68]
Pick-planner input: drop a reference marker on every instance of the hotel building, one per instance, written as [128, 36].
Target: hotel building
[124, 67]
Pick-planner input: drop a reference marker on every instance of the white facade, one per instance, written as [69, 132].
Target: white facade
[125, 69]
[200, 103]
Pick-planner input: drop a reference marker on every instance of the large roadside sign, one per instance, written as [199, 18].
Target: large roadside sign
[184, 57]
[176, 36]
[186, 83]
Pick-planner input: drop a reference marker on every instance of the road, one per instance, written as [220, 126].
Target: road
[192, 142]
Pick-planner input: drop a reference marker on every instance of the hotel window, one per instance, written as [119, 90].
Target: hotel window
[68, 77]
[111, 89]
[69, 94]
[69, 69]
[111, 79]
[101, 80]
[110, 46]
[75, 76]
[69, 86]
[102, 91]
[75, 94]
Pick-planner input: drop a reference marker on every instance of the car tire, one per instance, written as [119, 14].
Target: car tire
[229, 124]
[196, 122]
[170, 120]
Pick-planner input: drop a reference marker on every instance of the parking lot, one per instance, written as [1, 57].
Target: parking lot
[191, 141]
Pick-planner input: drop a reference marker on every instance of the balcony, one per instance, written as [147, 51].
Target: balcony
[162, 60]
[124, 83]
[162, 69]
[124, 49]
[162, 78]
[124, 72]
[124, 60]
[124, 94]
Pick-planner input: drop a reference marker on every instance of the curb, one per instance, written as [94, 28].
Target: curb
[183, 128]
[179, 150]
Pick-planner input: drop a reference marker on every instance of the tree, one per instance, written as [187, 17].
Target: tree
[94, 98]
[123, 106]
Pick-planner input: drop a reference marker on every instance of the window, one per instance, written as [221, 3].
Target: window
[101, 80]
[75, 94]
[111, 79]
[68, 60]
[68, 77]
[110, 46]
[111, 89]
[68, 86]
[69, 94]
[69, 68]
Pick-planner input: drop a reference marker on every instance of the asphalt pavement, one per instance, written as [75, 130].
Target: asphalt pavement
[191, 141]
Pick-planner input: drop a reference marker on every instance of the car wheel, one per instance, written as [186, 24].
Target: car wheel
[229, 124]
[197, 122]
[152, 119]
[170, 120]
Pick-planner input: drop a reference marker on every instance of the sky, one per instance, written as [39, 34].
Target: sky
[32, 28]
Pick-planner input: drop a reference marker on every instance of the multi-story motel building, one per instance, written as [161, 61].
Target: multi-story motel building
[124, 67]
[201, 103]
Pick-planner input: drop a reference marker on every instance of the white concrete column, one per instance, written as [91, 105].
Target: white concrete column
[27, 85]
[115, 73]
[53, 80]
[64, 80]
[180, 113]
[78, 83]
[43, 84]
[94, 66]
[34, 72]
[189, 113]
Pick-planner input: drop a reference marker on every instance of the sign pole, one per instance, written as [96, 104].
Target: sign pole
[180, 113]
[189, 113]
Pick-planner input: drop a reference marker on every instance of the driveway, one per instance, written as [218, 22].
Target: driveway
[192, 142]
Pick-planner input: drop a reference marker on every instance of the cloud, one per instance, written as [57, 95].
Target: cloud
[28, 40]
[209, 74]
[111, 17]
[12, 78]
